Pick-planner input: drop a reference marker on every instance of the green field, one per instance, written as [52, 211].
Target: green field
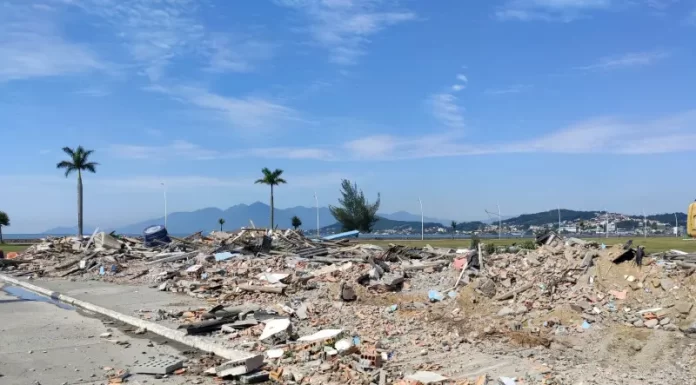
[12, 247]
[652, 245]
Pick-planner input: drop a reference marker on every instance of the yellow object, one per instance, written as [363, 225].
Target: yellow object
[691, 220]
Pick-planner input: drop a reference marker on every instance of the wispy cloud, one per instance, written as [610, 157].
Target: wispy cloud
[95, 92]
[344, 26]
[605, 135]
[444, 105]
[241, 54]
[184, 150]
[634, 59]
[551, 10]
[242, 113]
[445, 108]
[32, 47]
[513, 89]
[153, 32]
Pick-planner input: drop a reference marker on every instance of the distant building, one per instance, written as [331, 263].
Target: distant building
[569, 229]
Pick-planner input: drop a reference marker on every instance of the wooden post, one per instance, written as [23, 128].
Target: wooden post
[480, 257]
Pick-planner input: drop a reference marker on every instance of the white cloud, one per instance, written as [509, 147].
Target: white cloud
[462, 78]
[457, 87]
[594, 136]
[178, 149]
[551, 10]
[344, 26]
[513, 89]
[32, 47]
[445, 109]
[634, 59]
[96, 92]
[228, 54]
[243, 113]
[183, 150]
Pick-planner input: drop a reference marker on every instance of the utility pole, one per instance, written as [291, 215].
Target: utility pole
[316, 201]
[676, 226]
[165, 204]
[422, 219]
[606, 224]
[559, 219]
[645, 229]
[500, 223]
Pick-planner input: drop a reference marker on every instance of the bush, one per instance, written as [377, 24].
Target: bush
[489, 248]
[528, 244]
[475, 240]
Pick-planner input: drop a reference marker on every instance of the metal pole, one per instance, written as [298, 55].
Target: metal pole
[559, 219]
[165, 204]
[676, 226]
[606, 224]
[500, 223]
[645, 221]
[422, 220]
[316, 201]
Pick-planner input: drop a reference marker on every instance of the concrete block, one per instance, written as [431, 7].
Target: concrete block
[240, 366]
[162, 366]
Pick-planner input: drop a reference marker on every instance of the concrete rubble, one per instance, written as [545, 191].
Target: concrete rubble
[325, 312]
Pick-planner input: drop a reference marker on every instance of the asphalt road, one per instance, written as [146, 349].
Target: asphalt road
[48, 343]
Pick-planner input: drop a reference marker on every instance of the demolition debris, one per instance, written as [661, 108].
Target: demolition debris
[337, 311]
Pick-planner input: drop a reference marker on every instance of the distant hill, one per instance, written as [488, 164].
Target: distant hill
[235, 217]
[551, 216]
[668, 218]
[408, 217]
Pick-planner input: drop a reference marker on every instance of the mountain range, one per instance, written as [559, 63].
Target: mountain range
[259, 213]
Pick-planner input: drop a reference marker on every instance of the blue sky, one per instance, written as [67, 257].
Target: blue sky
[586, 104]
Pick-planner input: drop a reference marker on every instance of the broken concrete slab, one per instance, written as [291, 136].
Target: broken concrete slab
[240, 366]
[426, 378]
[274, 327]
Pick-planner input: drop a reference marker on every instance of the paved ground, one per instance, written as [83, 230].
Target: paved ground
[124, 299]
[43, 343]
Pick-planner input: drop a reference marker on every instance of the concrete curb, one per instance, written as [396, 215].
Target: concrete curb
[174, 335]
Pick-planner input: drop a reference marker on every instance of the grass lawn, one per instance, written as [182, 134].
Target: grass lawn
[652, 245]
[6, 247]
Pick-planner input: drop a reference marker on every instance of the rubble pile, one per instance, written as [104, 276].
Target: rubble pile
[325, 312]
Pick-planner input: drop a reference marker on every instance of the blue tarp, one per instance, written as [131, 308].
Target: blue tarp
[347, 234]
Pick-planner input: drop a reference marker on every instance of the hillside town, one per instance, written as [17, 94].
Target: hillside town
[600, 224]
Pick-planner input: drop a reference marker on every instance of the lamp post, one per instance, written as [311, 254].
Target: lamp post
[422, 221]
[316, 202]
[165, 203]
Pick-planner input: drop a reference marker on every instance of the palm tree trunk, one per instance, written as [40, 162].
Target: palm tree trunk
[272, 207]
[79, 204]
[1, 240]
[220, 227]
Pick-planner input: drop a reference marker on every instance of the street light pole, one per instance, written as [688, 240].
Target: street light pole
[559, 219]
[316, 201]
[422, 219]
[500, 223]
[676, 226]
[165, 204]
[645, 229]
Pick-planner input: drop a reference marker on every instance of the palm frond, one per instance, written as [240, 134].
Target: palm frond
[90, 166]
[69, 151]
[280, 181]
[262, 181]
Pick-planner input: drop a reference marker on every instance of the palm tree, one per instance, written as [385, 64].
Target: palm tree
[4, 221]
[454, 228]
[271, 178]
[221, 222]
[79, 161]
[296, 222]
